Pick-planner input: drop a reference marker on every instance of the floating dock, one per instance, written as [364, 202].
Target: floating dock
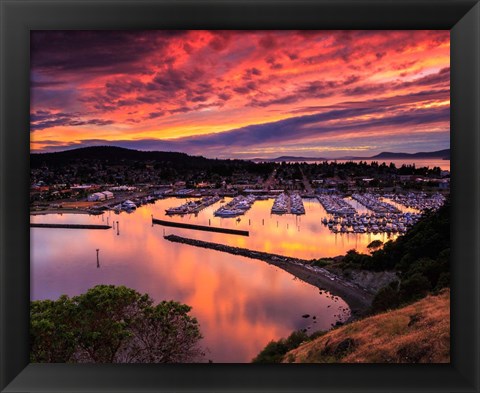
[200, 227]
[69, 226]
[193, 207]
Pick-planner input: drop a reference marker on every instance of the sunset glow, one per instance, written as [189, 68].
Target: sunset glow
[242, 94]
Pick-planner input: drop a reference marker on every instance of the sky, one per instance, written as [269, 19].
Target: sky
[242, 94]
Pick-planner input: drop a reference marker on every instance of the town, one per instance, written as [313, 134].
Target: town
[92, 186]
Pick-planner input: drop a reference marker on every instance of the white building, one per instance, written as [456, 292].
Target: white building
[98, 196]
[108, 194]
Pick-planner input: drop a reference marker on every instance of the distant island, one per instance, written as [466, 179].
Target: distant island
[114, 153]
[440, 154]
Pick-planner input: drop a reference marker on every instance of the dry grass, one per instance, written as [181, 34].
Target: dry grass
[418, 333]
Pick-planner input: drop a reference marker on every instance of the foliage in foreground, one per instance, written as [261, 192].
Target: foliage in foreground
[110, 324]
[276, 350]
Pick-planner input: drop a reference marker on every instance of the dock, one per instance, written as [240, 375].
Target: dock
[200, 227]
[69, 226]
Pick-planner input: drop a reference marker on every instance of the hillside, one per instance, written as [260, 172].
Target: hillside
[418, 333]
[112, 154]
[110, 164]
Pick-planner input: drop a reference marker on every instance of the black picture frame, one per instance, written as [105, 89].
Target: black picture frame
[18, 17]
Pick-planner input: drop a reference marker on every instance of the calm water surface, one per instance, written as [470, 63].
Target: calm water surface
[241, 303]
[430, 163]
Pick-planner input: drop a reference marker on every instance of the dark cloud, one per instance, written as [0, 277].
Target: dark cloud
[312, 89]
[251, 72]
[442, 77]
[394, 101]
[274, 64]
[296, 131]
[168, 85]
[94, 51]
[292, 55]
[438, 79]
[182, 109]
[199, 99]
[172, 81]
[220, 41]
[246, 88]
[289, 99]
[224, 96]
[187, 48]
[41, 120]
[311, 126]
[267, 42]
[46, 84]
[154, 115]
[203, 88]
[365, 89]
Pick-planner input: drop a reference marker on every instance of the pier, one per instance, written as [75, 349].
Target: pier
[200, 227]
[69, 226]
[358, 299]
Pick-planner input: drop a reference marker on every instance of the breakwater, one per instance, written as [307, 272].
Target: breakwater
[69, 226]
[199, 227]
[357, 298]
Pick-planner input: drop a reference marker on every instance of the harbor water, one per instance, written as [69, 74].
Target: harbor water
[241, 303]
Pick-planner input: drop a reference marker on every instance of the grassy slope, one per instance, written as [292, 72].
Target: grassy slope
[418, 333]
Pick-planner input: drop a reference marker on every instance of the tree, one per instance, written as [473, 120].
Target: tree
[375, 245]
[110, 324]
[52, 339]
[275, 350]
[414, 288]
[386, 298]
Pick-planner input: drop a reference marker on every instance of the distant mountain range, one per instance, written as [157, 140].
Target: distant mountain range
[440, 154]
[116, 154]
[289, 158]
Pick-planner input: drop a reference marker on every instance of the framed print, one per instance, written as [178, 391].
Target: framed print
[240, 196]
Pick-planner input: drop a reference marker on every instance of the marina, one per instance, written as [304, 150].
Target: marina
[285, 204]
[193, 207]
[373, 203]
[142, 257]
[372, 223]
[419, 201]
[380, 216]
[334, 204]
[236, 207]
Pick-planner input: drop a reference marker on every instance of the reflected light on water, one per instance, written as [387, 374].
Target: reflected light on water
[241, 303]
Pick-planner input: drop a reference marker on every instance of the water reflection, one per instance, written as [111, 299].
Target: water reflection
[241, 303]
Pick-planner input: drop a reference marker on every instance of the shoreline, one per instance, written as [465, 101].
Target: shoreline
[58, 211]
[357, 298]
